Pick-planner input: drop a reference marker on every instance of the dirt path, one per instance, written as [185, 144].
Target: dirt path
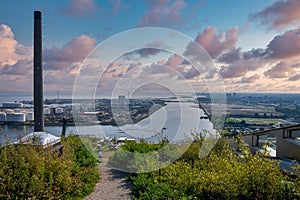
[112, 184]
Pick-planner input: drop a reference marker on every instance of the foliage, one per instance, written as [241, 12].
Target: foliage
[31, 172]
[220, 175]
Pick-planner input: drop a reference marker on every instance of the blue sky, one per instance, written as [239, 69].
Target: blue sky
[59, 26]
[243, 38]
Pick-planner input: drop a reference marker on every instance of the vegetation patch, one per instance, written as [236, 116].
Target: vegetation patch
[220, 175]
[262, 120]
[31, 172]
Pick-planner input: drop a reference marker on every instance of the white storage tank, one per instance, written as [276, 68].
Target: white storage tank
[59, 110]
[29, 116]
[46, 111]
[16, 117]
[18, 110]
[2, 117]
[9, 111]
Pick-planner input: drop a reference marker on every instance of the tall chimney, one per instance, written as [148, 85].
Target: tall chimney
[38, 74]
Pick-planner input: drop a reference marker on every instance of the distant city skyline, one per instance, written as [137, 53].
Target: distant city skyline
[255, 45]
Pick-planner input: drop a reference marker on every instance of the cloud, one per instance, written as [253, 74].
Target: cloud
[251, 79]
[295, 77]
[231, 56]
[11, 50]
[15, 63]
[186, 70]
[280, 70]
[7, 44]
[61, 64]
[150, 49]
[174, 61]
[216, 43]
[279, 15]
[286, 45]
[22, 67]
[241, 68]
[74, 51]
[79, 8]
[255, 53]
[6, 32]
[161, 12]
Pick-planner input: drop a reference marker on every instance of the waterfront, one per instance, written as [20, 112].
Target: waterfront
[176, 121]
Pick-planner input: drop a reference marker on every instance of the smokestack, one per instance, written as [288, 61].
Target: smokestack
[38, 74]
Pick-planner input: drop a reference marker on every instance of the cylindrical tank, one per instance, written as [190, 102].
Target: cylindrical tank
[59, 110]
[18, 110]
[2, 117]
[46, 111]
[29, 116]
[9, 111]
[16, 117]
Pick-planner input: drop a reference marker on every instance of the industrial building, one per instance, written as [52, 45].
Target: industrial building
[12, 105]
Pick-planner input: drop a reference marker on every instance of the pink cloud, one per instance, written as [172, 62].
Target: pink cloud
[185, 69]
[6, 32]
[160, 12]
[280, 14]
[79, 8]
[11, 50]
[251, 79]
[280, 70]
[21, 67]
[286, 45]
[241, 68]
[174, 61]
[74, 51]
[216, 43]
[16, 62]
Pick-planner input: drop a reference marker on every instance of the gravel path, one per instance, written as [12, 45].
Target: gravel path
[112, 184]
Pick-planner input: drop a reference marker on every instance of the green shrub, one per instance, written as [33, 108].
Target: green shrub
[31, 172]
[220, 175]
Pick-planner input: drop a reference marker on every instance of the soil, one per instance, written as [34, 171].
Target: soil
[113, 184]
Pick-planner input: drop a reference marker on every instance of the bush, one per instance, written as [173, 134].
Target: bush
[220, 175]
[31, 172]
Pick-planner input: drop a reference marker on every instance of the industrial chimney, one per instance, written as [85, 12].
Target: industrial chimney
[38, 74]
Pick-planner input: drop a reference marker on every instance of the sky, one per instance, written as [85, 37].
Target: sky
[254, 45]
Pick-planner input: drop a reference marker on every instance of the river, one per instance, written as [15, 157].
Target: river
[175, 121]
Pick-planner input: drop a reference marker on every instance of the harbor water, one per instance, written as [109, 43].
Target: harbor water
[175, 121]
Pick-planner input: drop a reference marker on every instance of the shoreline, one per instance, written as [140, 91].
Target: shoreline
[72, 123]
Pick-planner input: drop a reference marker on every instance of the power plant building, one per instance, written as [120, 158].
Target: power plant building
[12, 105]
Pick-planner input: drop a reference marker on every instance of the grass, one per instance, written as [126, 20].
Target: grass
[262, 120]
[232, 120]
[270, 109]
